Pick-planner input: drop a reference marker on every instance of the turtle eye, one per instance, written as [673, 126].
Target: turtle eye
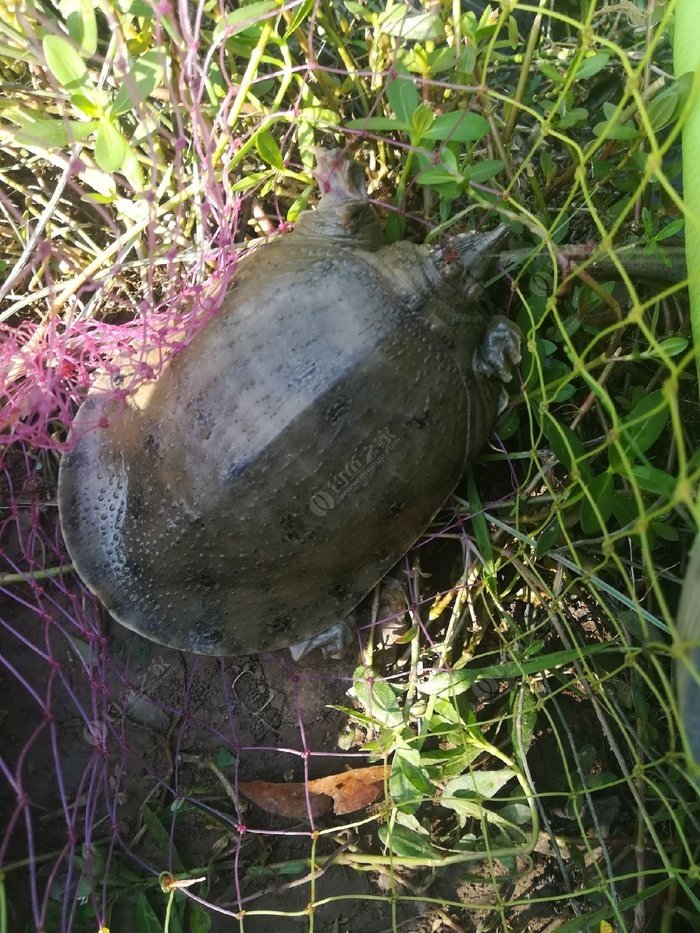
[474, 291]
[452, 271]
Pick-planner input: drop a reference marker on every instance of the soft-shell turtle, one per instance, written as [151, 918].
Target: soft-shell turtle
[280, 465]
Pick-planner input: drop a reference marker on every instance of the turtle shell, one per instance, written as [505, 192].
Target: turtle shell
[281, 463]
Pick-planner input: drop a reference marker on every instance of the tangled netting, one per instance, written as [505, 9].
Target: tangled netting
[505, 749]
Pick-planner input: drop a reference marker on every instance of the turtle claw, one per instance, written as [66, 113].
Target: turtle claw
[333, 642]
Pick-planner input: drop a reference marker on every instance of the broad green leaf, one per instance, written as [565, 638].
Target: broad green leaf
[144, 76]
[671, 346]
[449, 683]
[592, 65]
[394, 227]
[251, 180]
[160, 836]
[421, 121]
[377, 697]
[199, 918]
[476, 784]
[653, 480]
[567, 447]
[146, 917]
[110, 147]
[44, 132]
[548, 538]
[142, 8]
[458, 126]
[644, 424]
[601, 489]
[436, 176]
[401, 21]
[244, 17]
[573, 117]
[82, 24]
[409, 782]
[403, 97]
[613, 129]
[668, 103]
[225, 758]
[407, 842]
[379, 124]
[449, 762]
[484, 170]
[131, 170]
[665, 530]
[65, 64]
[268, 150]
[670, 230]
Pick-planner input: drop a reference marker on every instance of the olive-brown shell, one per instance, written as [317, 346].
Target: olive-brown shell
[256, 491]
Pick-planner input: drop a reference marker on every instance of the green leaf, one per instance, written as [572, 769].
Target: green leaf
[645, 424]
[591, 65]
[146, 917]
[251, 180]
[144, 76]
[421, 121]
[484, 170]
[436, 176]
[394, 227]
[567, 447]
[65, 64]
[303, 11]
[268, 150]
[614, 130]
[400, 21]
[458, 126]
[403, 97]
[671, 346]
[110, 147]
[407, 842]
[409, 782]
[548, 538]
[44, 132]
[379, 124]
[601, 489]
[650, 479]
[663, 107]
[377, 697]
[523, 709]
[449, 683]
[244, 18]
[476, 784]
[82, 24]
[670, 229]
[225, 758]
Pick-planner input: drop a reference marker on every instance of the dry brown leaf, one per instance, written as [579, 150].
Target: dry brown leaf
[285, 799]
[346, 792]
[351, 790]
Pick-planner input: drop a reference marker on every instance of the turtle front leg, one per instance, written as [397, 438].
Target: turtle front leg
[499, 350]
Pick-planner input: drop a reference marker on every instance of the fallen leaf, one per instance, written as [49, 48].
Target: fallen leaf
[351, 790]
[344, 792]
[285, 799]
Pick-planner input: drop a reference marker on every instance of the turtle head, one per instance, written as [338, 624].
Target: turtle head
[468, 259]
[343, 214]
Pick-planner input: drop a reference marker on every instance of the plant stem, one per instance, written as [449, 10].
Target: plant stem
[686, 55]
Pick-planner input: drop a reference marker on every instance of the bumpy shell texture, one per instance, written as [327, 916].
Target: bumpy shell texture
[281, 464]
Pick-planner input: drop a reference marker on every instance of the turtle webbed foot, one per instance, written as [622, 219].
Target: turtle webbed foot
[499, 350]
